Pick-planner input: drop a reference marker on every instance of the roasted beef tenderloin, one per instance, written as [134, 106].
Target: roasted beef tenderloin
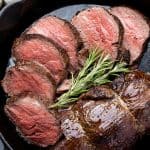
[136, 30]
[29, 77]
[43, 50]
[112, 116]
[62, 32]
[99, 29]
[134, 89]
[33, 121]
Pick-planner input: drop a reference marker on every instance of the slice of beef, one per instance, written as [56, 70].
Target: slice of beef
[98, 28]
[43, 50]
[64, 86]
[29, 77]
[33, 121]
[62, 32]
[134, 89]
[136, 30]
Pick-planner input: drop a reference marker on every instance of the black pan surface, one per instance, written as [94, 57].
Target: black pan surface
[9, 137]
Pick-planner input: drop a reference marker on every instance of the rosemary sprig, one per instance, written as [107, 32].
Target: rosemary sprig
[96, 71]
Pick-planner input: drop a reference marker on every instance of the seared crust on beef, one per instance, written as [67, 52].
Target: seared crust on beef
[62, 52]
[132, 41]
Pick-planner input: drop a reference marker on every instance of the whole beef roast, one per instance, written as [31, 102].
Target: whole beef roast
[105, 117]
[29, 77]
[98, 28]
[136, 30]
[43, 50]
[75, 144]
[32, 120]
[134, 89]
[62, 32]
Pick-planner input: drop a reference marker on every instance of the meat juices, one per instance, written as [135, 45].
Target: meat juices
[45, 51]
[98, 28]
[33, 121]
[136, 30]
[29, 77]
[62, 32]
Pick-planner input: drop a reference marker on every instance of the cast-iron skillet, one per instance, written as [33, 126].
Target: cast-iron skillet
[9, 137]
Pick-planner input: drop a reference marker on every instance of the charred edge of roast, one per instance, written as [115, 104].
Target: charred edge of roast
[98, 92]
[136, 63]
[79, 45]
[76, 34]
[123, 54]
[42, 38]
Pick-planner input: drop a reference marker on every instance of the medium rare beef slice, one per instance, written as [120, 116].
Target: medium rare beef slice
[136, 30]
[134, 89]
[33, 121]
[98, 28]
[62, 32]
[29, 77]
[43, 50]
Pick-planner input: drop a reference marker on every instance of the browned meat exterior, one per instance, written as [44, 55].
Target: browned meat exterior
[98, 28]
[134, 89]
[62, 32]
[33, 121]
[136, 30]
[105, 122]
[75, 144]
[111, 117]
[43, 50]
[29, 77]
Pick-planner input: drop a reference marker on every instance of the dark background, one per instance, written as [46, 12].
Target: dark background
[30, 11]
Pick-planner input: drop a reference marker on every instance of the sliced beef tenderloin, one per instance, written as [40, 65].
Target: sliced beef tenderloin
[134, 89]
[33, 121]
[62, 32]
[29, 77]
[98, 28]
[136, 30]
[43, 50]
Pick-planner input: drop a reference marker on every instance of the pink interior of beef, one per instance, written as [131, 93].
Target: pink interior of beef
[136, 30]
[43, 52]
[98, 29]
[20, 81]
[34, 121]
[60, 32]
